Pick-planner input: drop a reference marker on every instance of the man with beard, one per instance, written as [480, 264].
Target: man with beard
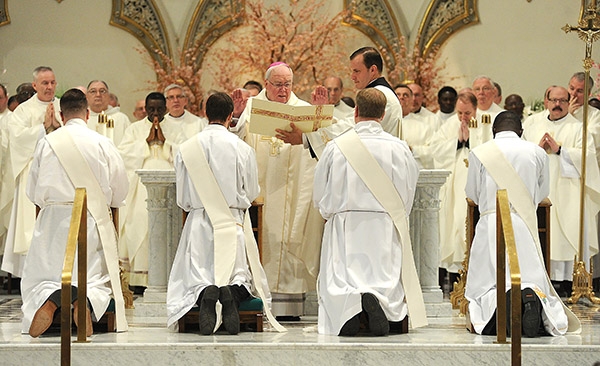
[560, 134]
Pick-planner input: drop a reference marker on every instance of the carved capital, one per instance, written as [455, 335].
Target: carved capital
[4, 18]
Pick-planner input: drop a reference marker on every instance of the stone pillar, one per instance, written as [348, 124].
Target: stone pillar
[160, 185]
[424, 235]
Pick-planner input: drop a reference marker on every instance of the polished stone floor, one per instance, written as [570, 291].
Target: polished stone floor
[445, 340]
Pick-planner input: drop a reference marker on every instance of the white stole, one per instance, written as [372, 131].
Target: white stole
[223, 223]
[81, 175]
[506, 177]
[374, 177]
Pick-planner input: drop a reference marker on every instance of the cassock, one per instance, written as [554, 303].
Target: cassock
[121, 120]
[565, 191]
[137, 154]
[292, 226]
[445, 151]
[50, 188]
[416, 130]
[25, 127]
[361, 249]
[531, 166]
[233, 164]
[190, 123]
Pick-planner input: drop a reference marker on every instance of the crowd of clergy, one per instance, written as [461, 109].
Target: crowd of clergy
[322, 227]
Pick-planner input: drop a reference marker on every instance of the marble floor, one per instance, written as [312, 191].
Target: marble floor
[444, 342]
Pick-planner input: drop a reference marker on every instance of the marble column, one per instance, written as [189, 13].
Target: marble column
[164, 228]
[424, 235]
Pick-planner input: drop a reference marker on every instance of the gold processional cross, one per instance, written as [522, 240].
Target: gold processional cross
[588, 30]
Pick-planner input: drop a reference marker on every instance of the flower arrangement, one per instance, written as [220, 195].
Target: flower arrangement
[297, 34]
[412, 66]
[185, 73]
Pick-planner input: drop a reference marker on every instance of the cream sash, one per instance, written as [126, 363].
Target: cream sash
[369, 170]
[506, 177]
[81, 175]
[224, 224]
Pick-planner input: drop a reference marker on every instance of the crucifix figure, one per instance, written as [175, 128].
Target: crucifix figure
[588, 30]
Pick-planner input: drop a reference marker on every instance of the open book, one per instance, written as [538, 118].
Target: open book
[266, 116]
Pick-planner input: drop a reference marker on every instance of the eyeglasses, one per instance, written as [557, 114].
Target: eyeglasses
[173, 97]
[287, 85]
[485, 89]
[97, 91]
[557, 100]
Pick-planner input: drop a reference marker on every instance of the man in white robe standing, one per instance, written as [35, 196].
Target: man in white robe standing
[195, 277]
[365, 263]
[366, 65]
[292, 226]
[73, 156]
[520, 167]
[149, 144]
[98, 96]
[4, 214]
[447, 102]
[26, 126]
[335, 90]
[560, 134]
[176, 103]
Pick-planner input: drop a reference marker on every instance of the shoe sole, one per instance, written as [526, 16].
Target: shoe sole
[378, 322]
[231, 317]
[351, 327]
[531, 313]
[89, 330]
[42, 319]
[207, 314]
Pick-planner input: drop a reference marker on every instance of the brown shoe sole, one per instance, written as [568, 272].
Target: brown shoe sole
[42, 319]
[89, 330]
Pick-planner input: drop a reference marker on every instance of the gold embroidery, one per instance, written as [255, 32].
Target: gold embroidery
[275, 143]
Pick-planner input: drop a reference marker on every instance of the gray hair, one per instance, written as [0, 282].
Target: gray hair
[39, 69]
[174, 86]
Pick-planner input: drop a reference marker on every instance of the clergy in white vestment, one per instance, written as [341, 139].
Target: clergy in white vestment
[176, 102]
[363, 255]
[520, 167]
[197, 276]
[98, 96]
[148, 144]
[4, 208]
[416, 129]
[335, 90]
[449, 148]
[560, 134]
[576, 98]
[292, 226]
[26, 126]
[485, 91]
[73, 156]
[366, 65]
[447, 103]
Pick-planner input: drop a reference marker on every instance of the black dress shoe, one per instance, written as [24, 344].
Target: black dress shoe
[378, 322]
[208, 315]
[231, 316]
[532, 311]
[351, 327]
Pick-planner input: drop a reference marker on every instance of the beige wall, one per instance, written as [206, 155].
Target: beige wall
[518, 43]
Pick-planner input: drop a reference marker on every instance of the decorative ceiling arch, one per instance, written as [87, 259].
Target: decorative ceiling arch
[444, 18]
[212, 19]
[4, 17]
[376, 19]
[142, 18]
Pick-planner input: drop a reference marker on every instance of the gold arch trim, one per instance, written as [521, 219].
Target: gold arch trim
[4, 17]
[143, 20]
[211, 20]
[437, 26]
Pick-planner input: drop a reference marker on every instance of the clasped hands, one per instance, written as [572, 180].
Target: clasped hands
[156, 135]
[50, 121]
[549, 144]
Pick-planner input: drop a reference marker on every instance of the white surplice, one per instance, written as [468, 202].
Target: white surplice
[6, 184]
[416, 130]
[25, 127]
[531, 164]
[361, 250]
[137, 154]
[233, 164]
[50, 188]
